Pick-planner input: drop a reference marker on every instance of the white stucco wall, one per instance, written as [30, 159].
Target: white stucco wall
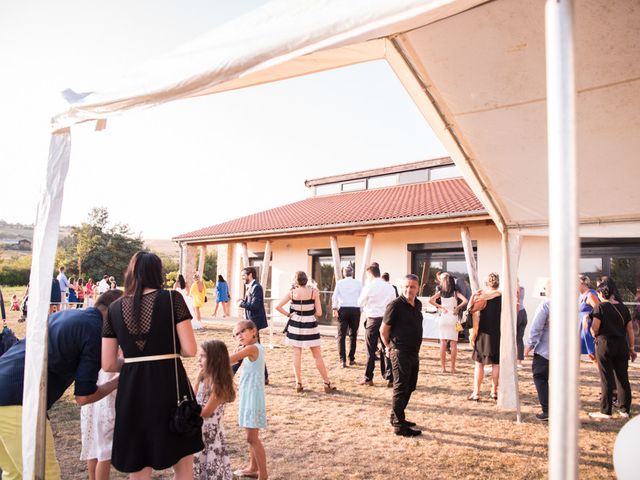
[390, 251]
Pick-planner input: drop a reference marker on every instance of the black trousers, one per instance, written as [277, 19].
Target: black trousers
[540, 369]
[612, 354]
[348, 323]
[372, 338]
[406, 365]
[521, 324]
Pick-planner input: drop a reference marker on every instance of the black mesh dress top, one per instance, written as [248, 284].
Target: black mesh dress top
[147, 390]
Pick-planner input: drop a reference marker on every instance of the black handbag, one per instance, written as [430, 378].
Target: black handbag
[185, 417]
[7, 338]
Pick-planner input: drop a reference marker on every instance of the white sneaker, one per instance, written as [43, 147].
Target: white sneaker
[623, 414]
[599, 415]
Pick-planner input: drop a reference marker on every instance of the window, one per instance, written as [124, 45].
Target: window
[415, 176]
[383, 181]
[429, 258]
[328, 189]
[444, 172]
[322, 272]
[353, 186]
[617, 258]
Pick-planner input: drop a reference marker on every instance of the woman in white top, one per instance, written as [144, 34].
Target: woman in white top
[448, 309]
[181, 286]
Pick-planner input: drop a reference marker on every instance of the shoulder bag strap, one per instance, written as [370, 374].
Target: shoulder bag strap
[175, 360]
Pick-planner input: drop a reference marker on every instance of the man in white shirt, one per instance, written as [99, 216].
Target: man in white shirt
[103, 285]
[345, 308]
[64, 286]
[375, 297]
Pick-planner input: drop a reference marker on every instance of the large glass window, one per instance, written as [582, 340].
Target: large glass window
[617, 258]
[427, 259]
[322, 272]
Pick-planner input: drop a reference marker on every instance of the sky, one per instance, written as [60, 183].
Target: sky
[187, 164]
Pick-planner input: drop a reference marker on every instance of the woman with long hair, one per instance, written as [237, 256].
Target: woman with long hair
[222, 296]
[613, 332]
[152, 338]
[448, 308]
[302, 327]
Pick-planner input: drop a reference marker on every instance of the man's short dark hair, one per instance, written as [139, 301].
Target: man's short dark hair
[250, 271]
[374, 270]
[108, 297]
[385, 276]
[413, 277]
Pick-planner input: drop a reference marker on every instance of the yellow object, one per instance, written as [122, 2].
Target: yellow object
[11, 446]
[197, 295]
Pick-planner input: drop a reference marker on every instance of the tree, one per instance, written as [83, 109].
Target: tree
[95, 248]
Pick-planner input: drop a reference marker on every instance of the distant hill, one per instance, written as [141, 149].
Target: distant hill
[165, 248]
[12, 233]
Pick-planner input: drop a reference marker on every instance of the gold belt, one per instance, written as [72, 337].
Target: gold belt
[151, 358]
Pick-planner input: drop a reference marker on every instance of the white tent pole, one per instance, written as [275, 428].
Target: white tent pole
[508, 391]
[335, 253]
[470, 259]
[366, 257]
[45, 240]
[563, 240]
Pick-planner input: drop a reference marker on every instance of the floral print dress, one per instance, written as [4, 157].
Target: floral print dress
[212, 462]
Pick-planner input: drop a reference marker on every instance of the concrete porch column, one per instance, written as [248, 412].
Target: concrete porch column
[188, 266]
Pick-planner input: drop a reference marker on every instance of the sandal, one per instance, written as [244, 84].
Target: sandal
[299, 387]
[494, 396]
[474, 397]
[329, 387]
[240, 473]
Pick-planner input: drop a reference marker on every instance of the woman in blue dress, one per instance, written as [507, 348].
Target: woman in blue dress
[587, 301]
[222, 296]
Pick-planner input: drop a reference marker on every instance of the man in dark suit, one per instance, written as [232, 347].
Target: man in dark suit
[253, 304]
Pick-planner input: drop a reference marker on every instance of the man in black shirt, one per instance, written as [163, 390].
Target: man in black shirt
[401, 332]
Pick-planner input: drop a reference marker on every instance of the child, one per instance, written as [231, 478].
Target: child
[96, 426]
[252, 412]
[15, 305]
[214, 388]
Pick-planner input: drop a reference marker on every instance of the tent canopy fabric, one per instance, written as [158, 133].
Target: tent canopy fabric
[483, 63]
[475, 69]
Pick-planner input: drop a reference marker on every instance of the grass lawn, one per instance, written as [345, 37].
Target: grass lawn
[347, 435]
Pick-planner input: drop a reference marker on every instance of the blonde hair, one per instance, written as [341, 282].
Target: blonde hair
[584, 280]
[493, 280]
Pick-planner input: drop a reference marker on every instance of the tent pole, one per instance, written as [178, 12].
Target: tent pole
[470, 259]
[366, 257]
[563, 240]
[335, 253]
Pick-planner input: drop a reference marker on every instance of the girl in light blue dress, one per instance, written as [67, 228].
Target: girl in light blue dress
[252, 411]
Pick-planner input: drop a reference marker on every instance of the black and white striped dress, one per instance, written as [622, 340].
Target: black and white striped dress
[303, 328]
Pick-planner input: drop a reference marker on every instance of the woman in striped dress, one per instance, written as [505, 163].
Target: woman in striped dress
[302, 327]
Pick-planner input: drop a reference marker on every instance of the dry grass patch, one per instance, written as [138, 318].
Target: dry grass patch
[347, 435]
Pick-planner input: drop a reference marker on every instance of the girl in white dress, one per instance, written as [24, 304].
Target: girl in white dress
[96, 425]
[448, 309]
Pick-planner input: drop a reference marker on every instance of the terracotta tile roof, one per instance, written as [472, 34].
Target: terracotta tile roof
[441, 198]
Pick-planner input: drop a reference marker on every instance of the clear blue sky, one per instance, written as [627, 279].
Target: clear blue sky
[193, 163]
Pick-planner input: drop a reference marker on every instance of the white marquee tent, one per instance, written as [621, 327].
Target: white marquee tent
[529, 100]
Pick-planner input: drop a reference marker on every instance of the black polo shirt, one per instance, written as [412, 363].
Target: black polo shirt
[406, 324]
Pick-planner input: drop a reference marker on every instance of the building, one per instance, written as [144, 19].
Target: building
[408, 218]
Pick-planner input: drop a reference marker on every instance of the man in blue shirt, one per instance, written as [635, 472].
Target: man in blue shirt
[539, 343]
[64, 286]
[74, 351]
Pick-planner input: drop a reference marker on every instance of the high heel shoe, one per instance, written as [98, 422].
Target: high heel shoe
[329, 387]
[299, 388]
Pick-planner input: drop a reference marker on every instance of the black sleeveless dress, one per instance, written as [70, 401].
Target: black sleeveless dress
[147, 390]
[487, 346]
